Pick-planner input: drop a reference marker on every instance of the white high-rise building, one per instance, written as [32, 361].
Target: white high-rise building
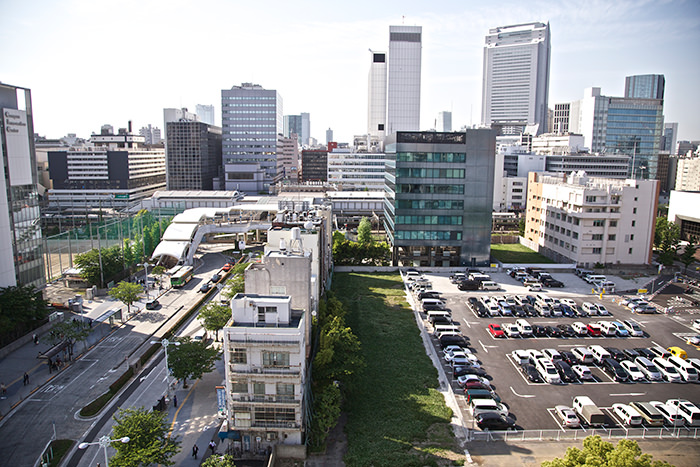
[516, 76]
[376, 95]
[403, 79]
[206, 113]
[444, 122]
[305, 128]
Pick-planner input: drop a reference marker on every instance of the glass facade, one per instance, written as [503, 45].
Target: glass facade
[438, 197]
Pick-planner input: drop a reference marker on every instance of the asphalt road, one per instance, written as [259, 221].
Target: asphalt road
[532, 403]
[30, 426]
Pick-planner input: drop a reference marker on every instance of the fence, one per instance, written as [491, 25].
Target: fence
[573, 435]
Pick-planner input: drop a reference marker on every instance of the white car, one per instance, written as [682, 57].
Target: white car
[452, 348]
[627, 414]
[608, 328]
[589, 308]
[668, 371]
[633, 305]
[460, 358]
[510, 329]
[520, 356]
[567, 416]
[583, 372]
[670, 413]
[633, 370]
[602, 311]
[695, 324]
[567, 301]
[534, 355]
[536, 287]
[621, 330]
[633, 327]
[580, 328]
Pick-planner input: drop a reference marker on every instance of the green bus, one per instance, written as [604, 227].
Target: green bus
[182, 276]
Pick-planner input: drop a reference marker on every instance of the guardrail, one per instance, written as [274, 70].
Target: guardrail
[573, 435]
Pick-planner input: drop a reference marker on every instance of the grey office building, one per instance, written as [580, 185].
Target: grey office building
[193, 156]
[252, 137]
[438, 197]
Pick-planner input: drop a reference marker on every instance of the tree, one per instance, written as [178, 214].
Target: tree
[191, 359]
[688, 255]
[214, 317]
[597, 452]
[364, 232]
[667, 236]
[219, 461]
[22, 308]
[112, 263]
[149, 443]
[72, 331]
[521, 227]
[126, 292]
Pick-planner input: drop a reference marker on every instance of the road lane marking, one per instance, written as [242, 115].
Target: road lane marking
[182, 404]
[630, 394]
[483, 347]
[527, 396]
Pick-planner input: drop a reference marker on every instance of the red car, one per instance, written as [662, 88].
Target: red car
[594, 330]
[226, 267]
[496, 330]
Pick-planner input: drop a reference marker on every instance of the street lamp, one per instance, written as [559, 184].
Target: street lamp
[165, 343]
[104, 442]
[145, 266]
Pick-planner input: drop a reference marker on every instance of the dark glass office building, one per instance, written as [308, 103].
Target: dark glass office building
[193, 156]
[438, 197]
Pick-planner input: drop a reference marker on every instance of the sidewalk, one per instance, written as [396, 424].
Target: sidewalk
[25, 359]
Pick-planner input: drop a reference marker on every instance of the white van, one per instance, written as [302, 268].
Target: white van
[432, 301]
[490, 285]
[591, 278]
[441, 328]
[598, 352]
[687, 371]
[412, 275]
[524, 327]
[440, 313]
[583, 355]
[649, 369]
[544, 299]
[590, 308]
[627, 414]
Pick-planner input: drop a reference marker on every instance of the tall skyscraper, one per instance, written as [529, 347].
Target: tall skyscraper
[206, 113]
[670, 137]
[403, 79]
[444, 122]
[21, 244]
[645, 86]
[252, 124]
[376, 95]
[621, 125]
[329, 135]
[193, 155]
[292, 125]
[516, 76]
[305, 128]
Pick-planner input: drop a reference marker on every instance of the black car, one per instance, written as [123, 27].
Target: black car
[531, 372]
[467, 370]
[539, 331]
[614, 369]
[481, 311]
[472, 301]
[494, 421]
[581, 313]
[205, 287]
[429, 294]
[551, 331]
[440, 320]
[529, 309]
[631, 354]
[549, 282]
[152, 304]
[566, 330]
[565, 371]
[468, 285]
[568, 357]
[433, 307]
[453, 340]
[616, 353]
[531, 299]
[518, 311]
[645, 353]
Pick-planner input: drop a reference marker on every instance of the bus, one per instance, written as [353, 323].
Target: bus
[182, 276]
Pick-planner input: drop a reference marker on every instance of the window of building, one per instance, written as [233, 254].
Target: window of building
[634, 210]
[275, 359]
[239, 356]
[576, 221]
[258, 388]
[597, 237]
[573, 249]
[590, 199]
[285, 389]
[239, 386]
[613, 223]
[596, 251]
[631, 236]
[634, 223]
[630, 251]
[598, 223]
[612, 237]
[574, 234]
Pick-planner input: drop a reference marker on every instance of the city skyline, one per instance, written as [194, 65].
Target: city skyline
[82, 61]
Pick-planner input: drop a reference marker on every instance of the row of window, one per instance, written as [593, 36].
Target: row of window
[426, 235]
[429, 220]
[430, 204]
[430, 189]
[430, 157]
[430, 173]
[243, 98]
[270, 359]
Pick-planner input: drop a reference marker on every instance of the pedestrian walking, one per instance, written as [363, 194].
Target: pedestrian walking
[26, 378]
[212, 446]
[36, 339]
[175, 400]
[195, 450]
[3, 389]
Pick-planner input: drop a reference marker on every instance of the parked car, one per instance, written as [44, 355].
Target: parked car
[627, 414]
[531, 372]
[565, 371]
[205, 287]
[152, 304]
[580, 328]
[496, 330]
[567, 416]
[467, 370]
[567, 330]
[552, 331]
[226, 267]
[670, 414]
[520, 356]
[602, 311]
[689, 411]
[669, 372]
[465, 379]
[651, 372]
[616, 353]
[631, 354]
[538, 331]
[633, 328]
[621, 330]
[614, 369]
[583, 372]
[633, 370]
[494, 421]
[569, 357]
[594, 330]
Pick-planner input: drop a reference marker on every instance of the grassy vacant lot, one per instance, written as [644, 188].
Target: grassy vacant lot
[395, 414]
[516, 253]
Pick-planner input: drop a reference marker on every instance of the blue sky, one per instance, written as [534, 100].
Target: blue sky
[90, 62]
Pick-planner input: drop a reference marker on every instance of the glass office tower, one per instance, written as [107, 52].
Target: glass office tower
[438, 197]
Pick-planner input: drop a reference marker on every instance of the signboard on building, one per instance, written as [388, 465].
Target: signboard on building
[121, 196]
[221, 400]
[16, 136]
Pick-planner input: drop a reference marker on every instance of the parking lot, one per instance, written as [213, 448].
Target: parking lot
[532, 403]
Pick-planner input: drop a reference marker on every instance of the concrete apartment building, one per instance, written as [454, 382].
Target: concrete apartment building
[688, 174]
[438, 197]
[683, 210]
[585, 220]
[351, 170]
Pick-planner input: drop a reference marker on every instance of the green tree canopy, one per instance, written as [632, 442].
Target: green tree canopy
[667, 236]
[71, 331]
[22, 307]
[149, 443]
[190, 360]
[599, 453]
[219, 461]
[214, 317]
[364, 232]
[126, 292]
[688, 255]
[89, 264]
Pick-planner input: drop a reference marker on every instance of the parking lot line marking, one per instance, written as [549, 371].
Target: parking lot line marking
[483, 347]
[522, 395]
[630, 394]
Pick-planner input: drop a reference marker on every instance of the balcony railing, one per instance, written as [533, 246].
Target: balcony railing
[291, 370]
[264, 399]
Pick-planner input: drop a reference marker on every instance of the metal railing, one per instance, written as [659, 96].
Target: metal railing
[572, 435]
